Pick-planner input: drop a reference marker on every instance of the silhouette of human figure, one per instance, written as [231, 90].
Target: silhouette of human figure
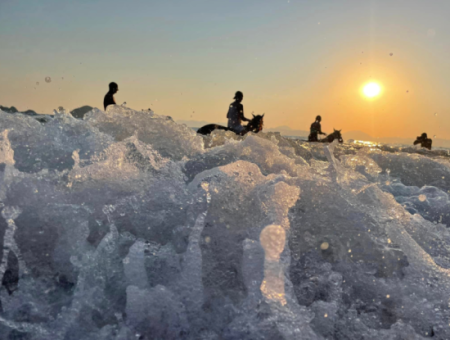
[424, 141]
[236, 114]
[109, 97]
[315, 129]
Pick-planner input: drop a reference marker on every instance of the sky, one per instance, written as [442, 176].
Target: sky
[292, 59]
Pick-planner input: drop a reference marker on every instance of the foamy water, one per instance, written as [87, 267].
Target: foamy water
[126, 225]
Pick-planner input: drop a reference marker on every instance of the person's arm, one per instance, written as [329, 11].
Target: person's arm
[320, 130]
[416, 142]
[241, 112]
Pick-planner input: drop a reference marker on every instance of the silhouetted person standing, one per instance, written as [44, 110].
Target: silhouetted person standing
[315, 130]
[424, 141]
[236, 114]
[109, 97]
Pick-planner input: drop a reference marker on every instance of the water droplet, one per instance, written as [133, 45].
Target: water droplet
[207, 239]
[349, 250]
[324, 246]
[434, 136]
[407, 91]
[388, 296]
[389, 240]
[124, 103]
[435, 113]
[422, 198]
[48, 79]
[391, 54]
[37, 83]
[326, 315]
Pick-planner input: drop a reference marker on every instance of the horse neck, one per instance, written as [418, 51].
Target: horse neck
[251, 125]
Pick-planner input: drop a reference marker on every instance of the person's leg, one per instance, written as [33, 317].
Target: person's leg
[239, 129]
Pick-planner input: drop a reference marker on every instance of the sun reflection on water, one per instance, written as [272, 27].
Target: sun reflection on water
[366, 143]
[273, 240]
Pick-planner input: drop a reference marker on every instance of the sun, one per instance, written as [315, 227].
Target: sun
[371, 90]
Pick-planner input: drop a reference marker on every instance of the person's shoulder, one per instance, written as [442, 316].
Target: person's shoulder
[236, 105]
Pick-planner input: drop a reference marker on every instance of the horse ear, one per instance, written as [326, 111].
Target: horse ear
[263, 115]
[253, 115]
[334, 130]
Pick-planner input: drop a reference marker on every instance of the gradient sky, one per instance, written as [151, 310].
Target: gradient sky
[292, 59]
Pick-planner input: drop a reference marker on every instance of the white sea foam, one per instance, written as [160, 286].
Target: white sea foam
[126, 225]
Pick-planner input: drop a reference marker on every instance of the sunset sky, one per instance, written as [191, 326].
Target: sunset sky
[292, 59]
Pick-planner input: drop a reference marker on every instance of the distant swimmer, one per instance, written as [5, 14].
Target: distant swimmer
[315, 129]
[109, 97]
[424, 141]
[236, 114]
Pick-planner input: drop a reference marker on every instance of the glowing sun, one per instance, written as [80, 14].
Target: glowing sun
[371, 90]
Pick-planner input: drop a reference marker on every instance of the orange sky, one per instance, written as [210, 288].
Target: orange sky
[293, 61]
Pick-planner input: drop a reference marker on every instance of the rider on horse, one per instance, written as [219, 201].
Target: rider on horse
[424, 141]
[236, 114]
[235, 117]
[315, 130]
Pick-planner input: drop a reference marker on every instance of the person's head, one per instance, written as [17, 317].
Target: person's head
[424, 135]
[318, 119]
[113, 87]
[239, 96]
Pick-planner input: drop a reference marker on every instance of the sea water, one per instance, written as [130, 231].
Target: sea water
[126, 225]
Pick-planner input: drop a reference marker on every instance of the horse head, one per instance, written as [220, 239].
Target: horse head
[337, 135]
[257, 123]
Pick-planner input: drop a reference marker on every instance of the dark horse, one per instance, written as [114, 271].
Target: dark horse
[331, 137]
[255, 125]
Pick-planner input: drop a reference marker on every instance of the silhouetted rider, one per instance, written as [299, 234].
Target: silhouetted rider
[236, 113]
[109, 97]
[315, 129]
[424, 141]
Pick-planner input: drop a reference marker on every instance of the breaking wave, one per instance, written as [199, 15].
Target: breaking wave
[126, 225]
